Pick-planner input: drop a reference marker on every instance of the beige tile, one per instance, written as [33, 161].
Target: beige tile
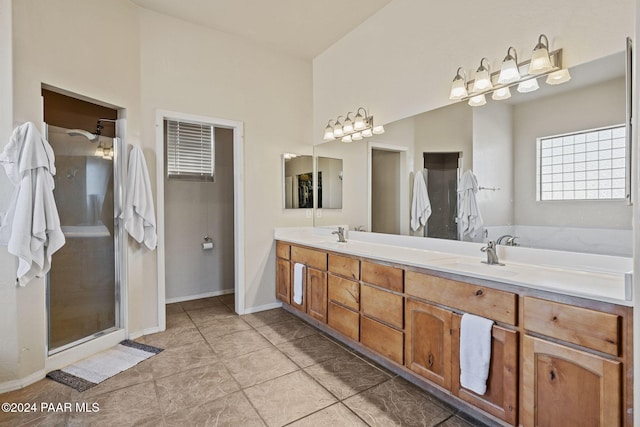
[228, 299]
[286, 331]
[224, 326]
[135, 405]
[334, 415]
[178, 320]
[200, 303]
[234, 345]
[347, 375]
[195, 387]
[312, 349]
[267, 317]
[47, 391]
[208, 314]
[396, 402]
[176, 307]
[260, 366]
[174, 337]
[183, 358]
[288, 398]
[231, 410]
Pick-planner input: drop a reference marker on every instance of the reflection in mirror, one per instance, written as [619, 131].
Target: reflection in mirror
[329, 179]
[298, 181]
[498, 143]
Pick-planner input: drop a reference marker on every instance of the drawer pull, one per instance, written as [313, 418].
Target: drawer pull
[430, 360]
[479, 292]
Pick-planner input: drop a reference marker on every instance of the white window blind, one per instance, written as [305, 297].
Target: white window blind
[189, 150]
[586, 165]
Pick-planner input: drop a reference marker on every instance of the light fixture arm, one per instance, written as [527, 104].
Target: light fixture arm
[541, 45]
[509, 56]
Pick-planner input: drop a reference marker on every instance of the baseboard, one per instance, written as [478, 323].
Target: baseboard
[22, 382]
[199, 296]
[148, 331]
[262, 307]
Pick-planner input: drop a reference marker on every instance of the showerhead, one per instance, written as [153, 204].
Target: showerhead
[81, 132]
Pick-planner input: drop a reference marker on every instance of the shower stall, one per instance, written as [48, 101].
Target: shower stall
[84, 284]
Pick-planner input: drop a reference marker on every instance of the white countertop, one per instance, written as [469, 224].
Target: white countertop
[596, 277]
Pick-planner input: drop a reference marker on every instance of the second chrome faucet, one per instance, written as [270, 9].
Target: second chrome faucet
[492, 255]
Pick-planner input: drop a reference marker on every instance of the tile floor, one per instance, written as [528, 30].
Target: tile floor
[221, 369]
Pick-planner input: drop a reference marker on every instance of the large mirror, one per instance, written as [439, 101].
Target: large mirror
[297, 185]
[329, 177]
[499, 143]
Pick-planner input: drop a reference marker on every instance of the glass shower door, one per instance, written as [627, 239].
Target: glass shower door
[83, 281]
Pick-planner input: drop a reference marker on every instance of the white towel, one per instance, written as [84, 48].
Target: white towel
[420, 204]
[298, 269]
[469, 214]
[138, 214]
[475, 352]
[31, 227]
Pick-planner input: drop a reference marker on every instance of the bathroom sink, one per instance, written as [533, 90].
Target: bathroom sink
[479, 268]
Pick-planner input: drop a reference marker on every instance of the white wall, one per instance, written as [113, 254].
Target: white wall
[385, 191]
[233, 79]
[194, 209]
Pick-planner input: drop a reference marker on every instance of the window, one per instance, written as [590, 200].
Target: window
[189, 150]
[585, 165]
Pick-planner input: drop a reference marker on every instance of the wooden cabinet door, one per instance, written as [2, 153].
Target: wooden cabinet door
[317, 294]
[562, 386]
[501, 397]
[283, 280]
[428, 343]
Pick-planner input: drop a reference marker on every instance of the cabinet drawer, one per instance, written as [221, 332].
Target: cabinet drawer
[345, 292]
[589, 328]
[382, 305]
[382, 339]
[283, 250]
[383, 276]
[309, 257]
[343, 266]
[345, 321]
[480, 300]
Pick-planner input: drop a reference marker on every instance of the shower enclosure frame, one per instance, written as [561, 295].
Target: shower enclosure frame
[119, 241]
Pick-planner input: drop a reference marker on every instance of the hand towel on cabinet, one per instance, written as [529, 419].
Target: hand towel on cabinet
[31, 227]
[420, 203]
[475, 352]
[138, 213]
[469, 214]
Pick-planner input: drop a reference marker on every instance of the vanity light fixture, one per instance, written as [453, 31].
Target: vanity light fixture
[523, 74]
[509, 72]
[483, 79]
[528, 86]
[361, 126]
[540, 61]
[459, 85]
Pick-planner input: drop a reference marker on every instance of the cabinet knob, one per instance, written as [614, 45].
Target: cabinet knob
[479, 292]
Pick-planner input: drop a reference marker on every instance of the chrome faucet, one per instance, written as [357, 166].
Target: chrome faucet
[492, 256]
[510, 240]
[340, 234]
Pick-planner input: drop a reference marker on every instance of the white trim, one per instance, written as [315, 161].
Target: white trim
[238, 204]
[22, 382]
[147, 331]
[263, 307]
[199, 296]
[96, 345]
[405, 167]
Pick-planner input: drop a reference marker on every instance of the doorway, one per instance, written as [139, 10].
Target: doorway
[442, 184]
[84, 283]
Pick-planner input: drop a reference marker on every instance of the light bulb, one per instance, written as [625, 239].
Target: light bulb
[558, 77]
[357, 136]
[528, 86]
[502, 93]
[346, 139]
[477, 100]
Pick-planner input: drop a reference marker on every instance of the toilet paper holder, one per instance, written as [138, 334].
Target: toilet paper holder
[207, 243]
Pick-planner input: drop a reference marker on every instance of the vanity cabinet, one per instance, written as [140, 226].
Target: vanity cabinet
[564, 385]
[283, 272]
[344, 295]
[556, 360]
[382, 310]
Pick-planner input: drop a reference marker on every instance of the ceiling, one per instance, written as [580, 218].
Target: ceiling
[303, 28]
